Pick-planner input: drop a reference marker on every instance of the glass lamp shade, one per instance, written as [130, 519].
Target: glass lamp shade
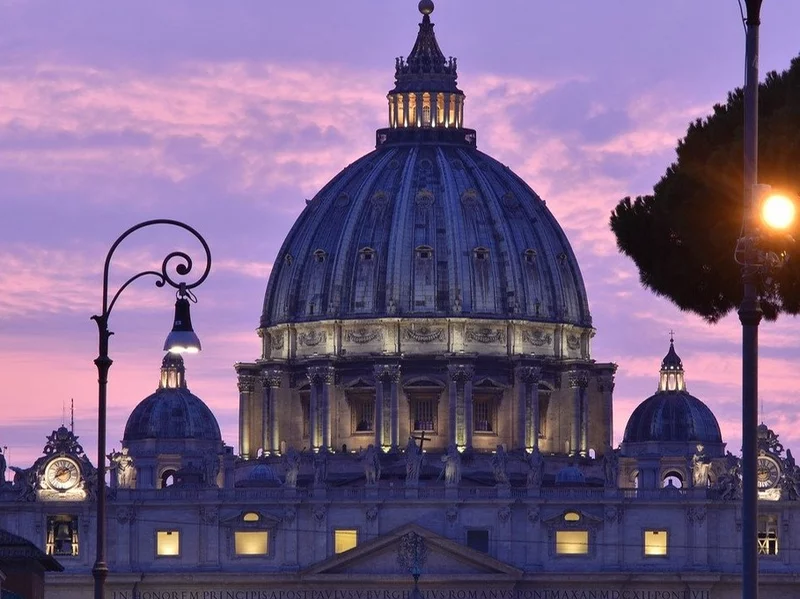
[182, 338]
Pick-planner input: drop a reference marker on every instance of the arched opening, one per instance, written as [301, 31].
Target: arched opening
[167, 478]
[672, 479]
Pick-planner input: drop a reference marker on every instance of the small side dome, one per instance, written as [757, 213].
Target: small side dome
[672, 415]
[570, 475]
[172, 412]
[261, 475]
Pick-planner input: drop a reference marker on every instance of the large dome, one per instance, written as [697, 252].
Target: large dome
[172, 412]
[426, 225]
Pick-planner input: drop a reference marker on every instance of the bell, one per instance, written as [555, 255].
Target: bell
[182, 338]
[62, 532]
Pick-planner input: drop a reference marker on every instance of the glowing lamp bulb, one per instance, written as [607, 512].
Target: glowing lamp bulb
[778, 212]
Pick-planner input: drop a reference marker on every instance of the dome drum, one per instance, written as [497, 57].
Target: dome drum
[425, 336]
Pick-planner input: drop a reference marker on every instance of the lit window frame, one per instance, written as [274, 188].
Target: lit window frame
[655, 531]
[573, 519]
[355, 530]
[168, 531]
[51, 523]
[253, 531]
[572, 554]
[266, 522]
[765, 542]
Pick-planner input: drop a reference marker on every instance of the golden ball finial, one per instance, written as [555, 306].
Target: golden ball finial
[426, 7]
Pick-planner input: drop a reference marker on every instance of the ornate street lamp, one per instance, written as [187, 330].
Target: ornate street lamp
[181, 339]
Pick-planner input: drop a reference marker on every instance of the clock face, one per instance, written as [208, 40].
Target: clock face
[62, 474]
[768, 473]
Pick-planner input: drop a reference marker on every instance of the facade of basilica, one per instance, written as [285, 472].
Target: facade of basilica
[425, 413]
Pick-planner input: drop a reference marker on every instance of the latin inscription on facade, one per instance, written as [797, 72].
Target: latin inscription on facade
[426, 594]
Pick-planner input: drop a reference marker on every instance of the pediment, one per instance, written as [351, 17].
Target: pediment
[446, 559]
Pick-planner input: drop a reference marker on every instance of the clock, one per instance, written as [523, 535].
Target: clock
[768, 473]
[62, 474]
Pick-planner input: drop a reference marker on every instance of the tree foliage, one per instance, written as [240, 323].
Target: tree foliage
[682, 237]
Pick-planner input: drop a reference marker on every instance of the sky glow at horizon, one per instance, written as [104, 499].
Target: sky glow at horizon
[229, 117]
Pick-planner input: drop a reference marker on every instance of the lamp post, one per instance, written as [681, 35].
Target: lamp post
[750, 311]
[180, 339]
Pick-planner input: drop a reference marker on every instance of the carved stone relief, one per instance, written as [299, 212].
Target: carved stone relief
[423, 334]
[363, 335]
[537, 337]
[486, 335]
[573, 342]
[312, 338]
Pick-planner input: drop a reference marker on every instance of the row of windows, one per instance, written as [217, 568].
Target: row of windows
[422, 415]
[425, 252]
[62, 539]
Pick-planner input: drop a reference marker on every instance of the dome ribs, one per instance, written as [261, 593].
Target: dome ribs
[476, 216]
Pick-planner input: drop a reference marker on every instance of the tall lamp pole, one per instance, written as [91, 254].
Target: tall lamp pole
[750, 311]
[181, 339]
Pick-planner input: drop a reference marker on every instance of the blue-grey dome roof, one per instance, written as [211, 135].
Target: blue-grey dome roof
[426, 230]
[172, 412]
[672, 416]
[426, 225]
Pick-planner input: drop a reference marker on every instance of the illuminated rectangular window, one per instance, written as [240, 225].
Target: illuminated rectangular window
[655, 542]
[572, 542]
[251, 542]
[424, 414]
[344, 540]
[483, 414]
[62, 536]
[362, 411]
[767, 534]
[168, 542]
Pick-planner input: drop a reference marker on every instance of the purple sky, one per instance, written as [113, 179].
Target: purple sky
[229, 115]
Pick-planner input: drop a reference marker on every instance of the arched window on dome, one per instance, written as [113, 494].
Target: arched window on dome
[364, 284]
[483, 283]
[529, 256]
[320, 255]
[426, 110]
[441, 121]
[424, 286]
